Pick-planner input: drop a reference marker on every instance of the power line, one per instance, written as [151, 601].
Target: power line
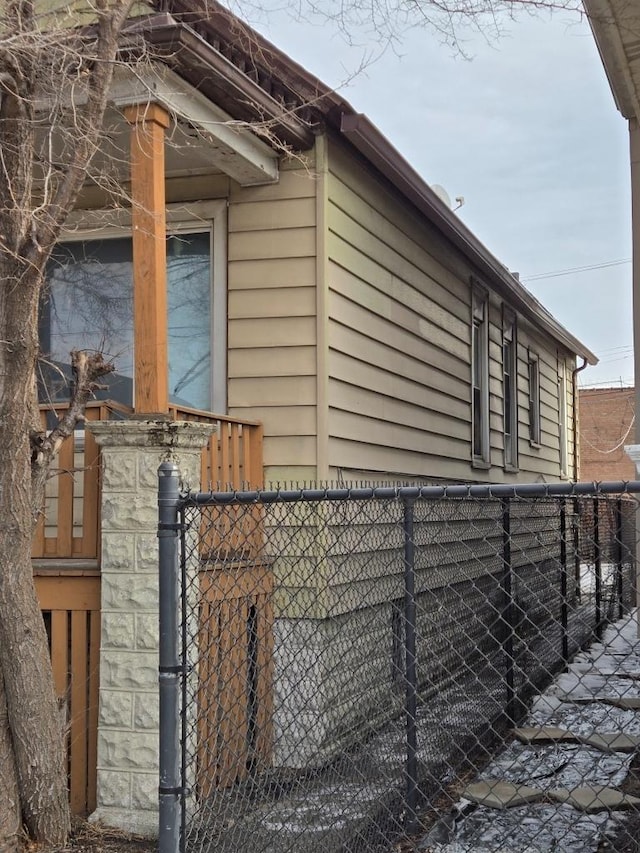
[572, 270]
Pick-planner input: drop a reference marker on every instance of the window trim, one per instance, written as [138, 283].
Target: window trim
[535, 425]
[181, 218]
[510, 418]
[480, 326]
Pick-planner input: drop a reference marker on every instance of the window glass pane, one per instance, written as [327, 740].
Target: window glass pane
[189, 301]
[88, 305]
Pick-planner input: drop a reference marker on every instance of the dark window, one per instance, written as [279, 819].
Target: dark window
[480, 377]
[534, 399]
[510, 390]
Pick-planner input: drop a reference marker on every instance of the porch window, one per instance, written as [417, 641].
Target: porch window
[480, 378]
[89, 305]
[510, 390]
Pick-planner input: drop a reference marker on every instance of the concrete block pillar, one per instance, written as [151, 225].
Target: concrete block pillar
[127, 793]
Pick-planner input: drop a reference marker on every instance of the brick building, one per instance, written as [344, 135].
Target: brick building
[606, 425]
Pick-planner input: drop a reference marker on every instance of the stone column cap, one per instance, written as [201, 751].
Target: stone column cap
[185, 435]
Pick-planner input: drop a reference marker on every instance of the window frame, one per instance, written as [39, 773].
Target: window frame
[510, 375]
[197, 217]
[535, 426]
[480, 371]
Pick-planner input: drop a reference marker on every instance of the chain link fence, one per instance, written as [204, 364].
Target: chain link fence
[395, 669]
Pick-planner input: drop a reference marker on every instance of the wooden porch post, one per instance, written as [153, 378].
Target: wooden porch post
[149, 122]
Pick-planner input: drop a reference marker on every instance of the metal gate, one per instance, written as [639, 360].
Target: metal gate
[339, 667]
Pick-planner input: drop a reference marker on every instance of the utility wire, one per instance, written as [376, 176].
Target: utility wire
[613, 449]
[571, 270]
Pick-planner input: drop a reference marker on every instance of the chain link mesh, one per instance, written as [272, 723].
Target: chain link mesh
[380, 671]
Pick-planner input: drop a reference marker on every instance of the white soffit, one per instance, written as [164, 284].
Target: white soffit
[229, 145]
[616, 27]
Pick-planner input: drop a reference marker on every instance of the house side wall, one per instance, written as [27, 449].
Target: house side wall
[272, 317]
[542, 462]
[271, 307]
[399, 346]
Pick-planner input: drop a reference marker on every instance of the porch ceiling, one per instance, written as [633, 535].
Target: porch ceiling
[201, 130]
[201, 138]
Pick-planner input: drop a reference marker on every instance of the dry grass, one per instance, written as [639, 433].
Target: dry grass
[92, 838]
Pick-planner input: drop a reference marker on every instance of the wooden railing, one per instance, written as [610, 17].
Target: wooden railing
[69, 527]
[233, 458]
[69, 524]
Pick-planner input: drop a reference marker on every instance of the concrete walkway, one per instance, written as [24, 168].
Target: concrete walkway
[555, 786]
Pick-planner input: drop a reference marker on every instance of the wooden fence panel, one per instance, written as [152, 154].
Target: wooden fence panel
[235, 709]
[70, 606]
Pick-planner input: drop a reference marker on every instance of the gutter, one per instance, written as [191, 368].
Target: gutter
[213, 74]
[371, 143]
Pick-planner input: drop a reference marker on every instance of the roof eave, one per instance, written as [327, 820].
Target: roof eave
[218, 76]
[606, 32]
[368, 140]
[181, 42]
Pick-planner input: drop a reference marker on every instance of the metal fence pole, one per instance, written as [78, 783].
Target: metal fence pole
[170, 793]
[564, 609]
[411, 768]
[598, 565]
[508, 612]
[619, 559]
[578, 508]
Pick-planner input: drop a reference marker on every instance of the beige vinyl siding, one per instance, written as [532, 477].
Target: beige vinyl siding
[177, 189]
[398, 336]
[399, 356]
[543, 461]
[272, 318]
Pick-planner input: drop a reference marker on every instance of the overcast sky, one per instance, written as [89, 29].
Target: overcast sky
[527, 132]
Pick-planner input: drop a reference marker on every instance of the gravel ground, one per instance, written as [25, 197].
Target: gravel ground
[626, 838]
[606, 670]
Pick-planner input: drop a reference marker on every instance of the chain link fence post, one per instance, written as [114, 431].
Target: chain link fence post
[170, 793]
[508, 617]
[598, 566]
[564, 607]
[411, 769]
[619, 559]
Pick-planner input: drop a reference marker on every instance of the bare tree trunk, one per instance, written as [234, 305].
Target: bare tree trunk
[10, 822]
[36, 728]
